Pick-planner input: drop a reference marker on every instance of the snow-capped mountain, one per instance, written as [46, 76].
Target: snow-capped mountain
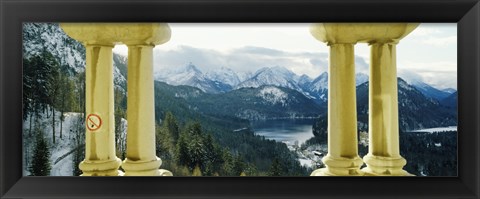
[360, 78]
[304, 80]
[224, 75]
[449, 90]
[190, 75]
[429, 91]
[275, 76]
[317, 89]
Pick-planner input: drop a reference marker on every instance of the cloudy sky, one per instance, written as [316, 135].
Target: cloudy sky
[428, 54]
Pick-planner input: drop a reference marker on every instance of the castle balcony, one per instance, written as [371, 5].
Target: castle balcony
[383, 158]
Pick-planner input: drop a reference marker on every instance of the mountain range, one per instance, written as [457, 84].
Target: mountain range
[224, 80]
[270, 92]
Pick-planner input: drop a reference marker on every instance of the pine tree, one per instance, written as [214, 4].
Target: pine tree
[66, 99]
[119, 99]
[28, 85]
[238, 165]
[53, 85]
[79, 154]
[275, 169]
[170, 123]
[40, 165]
[182, 155]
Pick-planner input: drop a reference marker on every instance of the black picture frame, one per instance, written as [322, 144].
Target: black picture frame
[464, 12]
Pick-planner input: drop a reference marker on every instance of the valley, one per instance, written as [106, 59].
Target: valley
[262, 122]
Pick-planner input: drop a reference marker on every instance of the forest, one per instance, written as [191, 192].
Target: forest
[189, 143]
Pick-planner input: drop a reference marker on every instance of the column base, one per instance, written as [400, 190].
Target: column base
[340, 166]
[384, 166]
[100, 168]
[144, 168]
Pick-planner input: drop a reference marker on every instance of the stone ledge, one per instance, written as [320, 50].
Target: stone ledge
[118, 33]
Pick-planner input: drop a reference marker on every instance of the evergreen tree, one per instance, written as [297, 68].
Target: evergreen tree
[196, 150]
[182, 156]
[28, 91]
[27, 88]
[79, 137]
[80, 92]
[66, 99]
[213, 153]
[164, 143]
[238, 166]
[276, 168]
[119, 102]
[53, 86]
[40, 165]
[170, 123]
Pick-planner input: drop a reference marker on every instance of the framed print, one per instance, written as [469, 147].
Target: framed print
[262, 99]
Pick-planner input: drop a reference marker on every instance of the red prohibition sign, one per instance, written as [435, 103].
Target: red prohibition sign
[94, 122]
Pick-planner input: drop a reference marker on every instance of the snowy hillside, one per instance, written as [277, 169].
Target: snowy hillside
[62, 152]
[40, 37]
[273, 95]
[69, 53]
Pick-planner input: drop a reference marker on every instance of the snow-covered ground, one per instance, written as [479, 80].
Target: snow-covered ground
[306, 162]
[61, 156]
[62, 152]
[437, 129]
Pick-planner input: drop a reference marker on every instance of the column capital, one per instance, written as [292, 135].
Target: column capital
[341, 33]
[118, 33]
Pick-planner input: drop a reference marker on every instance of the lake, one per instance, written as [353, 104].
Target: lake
[285, 130]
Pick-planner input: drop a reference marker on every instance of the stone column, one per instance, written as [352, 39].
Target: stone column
[100, 158]
[342, 158]
[383, 157]
[141, 159]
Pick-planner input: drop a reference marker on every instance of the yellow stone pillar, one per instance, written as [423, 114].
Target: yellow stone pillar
[342, 157]
[100, 158]
[99, 38]
[141, 159]
[383, 157]
[384, 150]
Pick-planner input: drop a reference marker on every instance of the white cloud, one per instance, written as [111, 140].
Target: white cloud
[121, 49]
[441, 41]
[429, 51]
[424, 31]
[441, 66]
[245, 59]
[440, 75]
